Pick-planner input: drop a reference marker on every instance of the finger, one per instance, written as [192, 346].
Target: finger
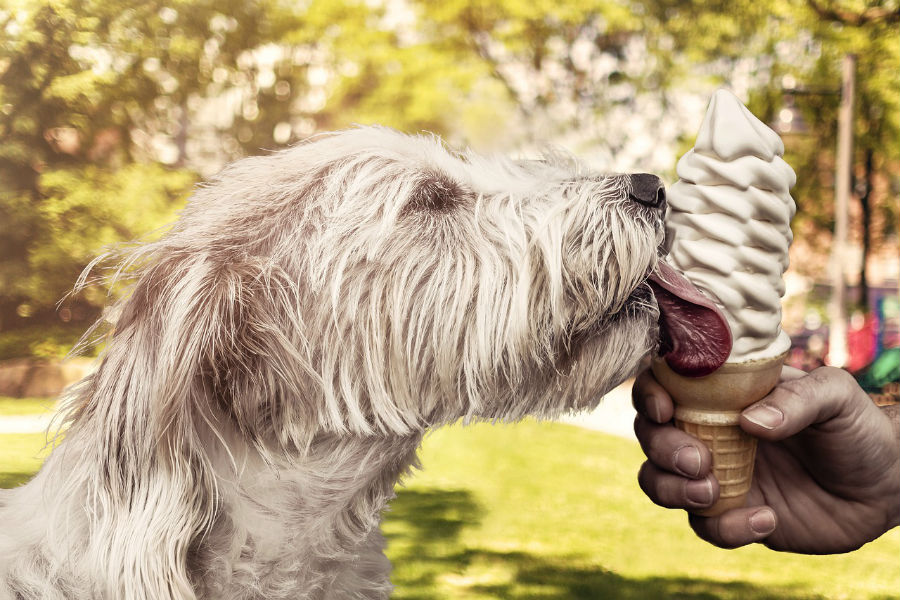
[737, 527]
[673, 491]
[790, 373]
[651, 399]
[798, 403]
[673, 450]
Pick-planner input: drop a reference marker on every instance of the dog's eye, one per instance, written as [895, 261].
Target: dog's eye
[435, 193]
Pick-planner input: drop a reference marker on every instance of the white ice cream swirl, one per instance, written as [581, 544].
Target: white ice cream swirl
[728, 225]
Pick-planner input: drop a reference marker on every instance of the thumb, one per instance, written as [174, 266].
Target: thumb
[800, 400]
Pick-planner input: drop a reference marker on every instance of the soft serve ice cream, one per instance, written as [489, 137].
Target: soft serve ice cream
[728, 227]
[728, 231]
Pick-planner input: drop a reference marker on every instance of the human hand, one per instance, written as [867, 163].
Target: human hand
[827, 475]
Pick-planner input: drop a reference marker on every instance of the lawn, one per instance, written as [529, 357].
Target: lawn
[545, 510]
[10, 407]
[21, 455]
[553, 511]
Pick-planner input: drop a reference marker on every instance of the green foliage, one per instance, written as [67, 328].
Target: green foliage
[876, 123]
[533, 48]
[800, 44]
[75, 99]
[53, 341]
[82, 211]
[74, 214]
[96, 96]
[107, 109]
[565, 57]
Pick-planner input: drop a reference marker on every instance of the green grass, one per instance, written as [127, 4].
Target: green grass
[15, 407]
[21, 455]
[553, 511]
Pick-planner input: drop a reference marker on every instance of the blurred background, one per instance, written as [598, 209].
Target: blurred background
[111, 111]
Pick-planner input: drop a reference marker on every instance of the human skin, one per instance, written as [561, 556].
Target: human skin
[827, 474]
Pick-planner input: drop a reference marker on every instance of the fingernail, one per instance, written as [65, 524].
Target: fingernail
[653, 409]
[762, 522]
[765, 416]
[699, 491]
[687, 461]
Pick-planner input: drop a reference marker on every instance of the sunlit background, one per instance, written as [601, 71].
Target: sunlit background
[111, 111]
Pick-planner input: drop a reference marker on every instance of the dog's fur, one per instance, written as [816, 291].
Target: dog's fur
[287, 343]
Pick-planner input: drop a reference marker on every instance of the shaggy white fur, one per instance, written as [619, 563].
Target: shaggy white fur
[287, 343]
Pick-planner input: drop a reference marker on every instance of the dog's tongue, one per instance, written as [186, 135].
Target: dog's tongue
[696, 339]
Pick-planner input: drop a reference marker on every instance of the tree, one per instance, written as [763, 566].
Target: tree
[800, 44]
[870, 33]
[109, 111]
[578, 73]
[605, 74]
[86, 89]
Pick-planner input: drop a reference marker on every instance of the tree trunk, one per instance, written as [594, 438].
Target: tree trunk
[866, 205]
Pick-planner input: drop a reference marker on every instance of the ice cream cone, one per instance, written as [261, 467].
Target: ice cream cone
[709, 408]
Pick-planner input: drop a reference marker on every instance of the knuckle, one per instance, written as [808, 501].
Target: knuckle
[663, 497]
[719, 531]
[792, 394]
[670, 493]
[641, 380]
[701, 527]
[658, 447]
[827, 372]
[641, 431]
[790, 390]
[833, 376]
[643, 475]
[639, 395]
[654, 486]
[834, 390]
[722, 534]
[734, 540]
[647, 481]
[734, 529]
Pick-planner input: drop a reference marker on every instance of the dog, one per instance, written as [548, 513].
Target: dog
[284, 347]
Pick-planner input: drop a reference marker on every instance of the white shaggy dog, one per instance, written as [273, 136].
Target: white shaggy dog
[287, 343]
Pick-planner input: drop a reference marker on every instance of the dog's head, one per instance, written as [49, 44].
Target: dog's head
[372, 282]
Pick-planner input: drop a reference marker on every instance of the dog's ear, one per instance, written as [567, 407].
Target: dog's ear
[226, 349]
[199, 349]
[154, 488]
[257, 360]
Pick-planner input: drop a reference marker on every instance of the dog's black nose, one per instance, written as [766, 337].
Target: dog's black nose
[648, 190]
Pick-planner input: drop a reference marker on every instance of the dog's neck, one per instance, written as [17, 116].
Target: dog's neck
[308, 522]
[313, 519]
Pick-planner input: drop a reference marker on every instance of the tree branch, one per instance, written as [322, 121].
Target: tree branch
[874, 14]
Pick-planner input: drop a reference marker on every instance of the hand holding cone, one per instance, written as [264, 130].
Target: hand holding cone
[709, 408]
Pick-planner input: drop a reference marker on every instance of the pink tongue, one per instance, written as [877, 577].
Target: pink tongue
[696, 339]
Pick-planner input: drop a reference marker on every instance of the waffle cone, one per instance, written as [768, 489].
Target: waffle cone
[709, 408]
